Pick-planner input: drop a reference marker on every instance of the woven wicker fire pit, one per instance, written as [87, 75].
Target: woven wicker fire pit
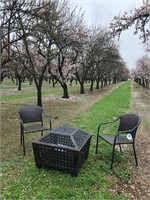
[62, 148]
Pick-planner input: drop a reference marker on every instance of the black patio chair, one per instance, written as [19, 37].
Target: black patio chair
[127, 128]
[32, 114]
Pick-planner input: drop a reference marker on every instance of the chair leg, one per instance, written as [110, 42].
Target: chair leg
[20, 137]
[41, 133]
[23, 144]
[21, 133]
[135, 155]
[120, 148]
[113, 152]
[50, 125]
[96, 145]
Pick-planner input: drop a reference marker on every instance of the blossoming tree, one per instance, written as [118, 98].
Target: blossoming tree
[140, 17]
[142, 72]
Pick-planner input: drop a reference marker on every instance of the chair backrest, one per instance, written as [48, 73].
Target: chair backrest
[30, 113]
[129, 122]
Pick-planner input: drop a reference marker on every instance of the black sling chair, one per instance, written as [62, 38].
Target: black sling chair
[128, 125]
[30, 114]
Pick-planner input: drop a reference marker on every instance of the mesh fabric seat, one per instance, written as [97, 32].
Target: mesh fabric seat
[128, 125]
[31, 114]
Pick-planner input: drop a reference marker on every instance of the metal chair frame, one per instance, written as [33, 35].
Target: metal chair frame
[119, 138]
[29, 114]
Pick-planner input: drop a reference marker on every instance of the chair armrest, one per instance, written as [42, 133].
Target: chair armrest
[105, 123]
[49, 117]
[119, 133]
[124, 132]
[21, 122]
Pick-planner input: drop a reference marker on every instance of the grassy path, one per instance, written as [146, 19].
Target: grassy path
[21, 179]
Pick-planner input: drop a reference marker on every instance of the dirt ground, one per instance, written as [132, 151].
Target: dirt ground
[141, 178]
[139, 185]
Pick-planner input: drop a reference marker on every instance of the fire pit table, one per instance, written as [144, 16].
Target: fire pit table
[62, 148]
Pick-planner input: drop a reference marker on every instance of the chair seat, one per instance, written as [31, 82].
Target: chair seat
[35, 128]
[120, 139]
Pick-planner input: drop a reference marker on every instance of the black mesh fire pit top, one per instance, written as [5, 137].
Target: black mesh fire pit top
[66, 137]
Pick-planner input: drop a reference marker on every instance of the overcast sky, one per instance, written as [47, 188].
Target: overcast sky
[102, 12]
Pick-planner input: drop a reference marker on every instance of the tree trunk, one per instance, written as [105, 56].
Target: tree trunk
[109, 81]
[30, 81]
[102, 83]
[147, 84]
[91, 87]
[97, 84]
[19, 83]
[114, 80]
[82, 88]
[105, 82]
[39, 95]
[143, 82]
[12, 80]
[71, 82]
[54, 81]
[65, 91]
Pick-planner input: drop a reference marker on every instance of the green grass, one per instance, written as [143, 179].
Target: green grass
[28, 95]
[112, 105]
[44, 92]
[8, 84]
[22, 180]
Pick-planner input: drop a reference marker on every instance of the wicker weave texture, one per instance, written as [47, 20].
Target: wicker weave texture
[60, 156]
